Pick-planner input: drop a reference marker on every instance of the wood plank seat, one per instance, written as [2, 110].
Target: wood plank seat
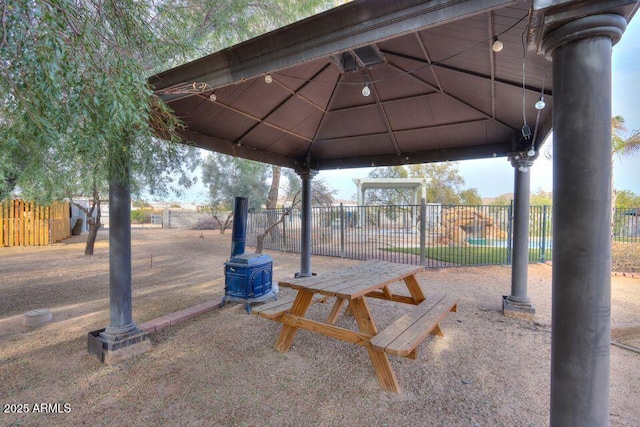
[403, 336]
[282, 305]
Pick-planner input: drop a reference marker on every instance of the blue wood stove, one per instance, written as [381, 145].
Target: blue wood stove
[248, 277]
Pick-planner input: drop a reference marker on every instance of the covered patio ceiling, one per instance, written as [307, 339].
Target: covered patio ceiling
[438, 91]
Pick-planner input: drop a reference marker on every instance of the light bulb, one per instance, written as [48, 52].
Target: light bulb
[523, 169]
[213, 97]
[497, 44]
[366, 91]
[268, 79]
[531, 152]
[540, 104]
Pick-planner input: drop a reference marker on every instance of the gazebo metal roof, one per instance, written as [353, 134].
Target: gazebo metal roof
[438, 90]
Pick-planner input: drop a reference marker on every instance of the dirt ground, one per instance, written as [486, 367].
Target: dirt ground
[220, 369]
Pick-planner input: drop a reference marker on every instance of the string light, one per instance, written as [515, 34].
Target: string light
[213, 97]
[268, 79]
[531, 152]
[365, 90]
[497, 44]
[540, 104]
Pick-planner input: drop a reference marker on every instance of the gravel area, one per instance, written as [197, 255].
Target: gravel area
[220, 369]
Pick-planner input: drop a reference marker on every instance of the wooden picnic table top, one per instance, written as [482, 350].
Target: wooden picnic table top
[354, 281]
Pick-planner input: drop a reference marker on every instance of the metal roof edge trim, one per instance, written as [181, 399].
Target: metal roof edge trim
[282, 48]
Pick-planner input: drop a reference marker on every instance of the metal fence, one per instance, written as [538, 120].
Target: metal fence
[432, 235]
[626, 226]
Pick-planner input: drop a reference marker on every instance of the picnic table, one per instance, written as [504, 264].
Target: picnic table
[350, 286]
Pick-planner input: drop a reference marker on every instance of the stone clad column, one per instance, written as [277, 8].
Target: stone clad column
[305, 239]
[581, 296]
[518, 304]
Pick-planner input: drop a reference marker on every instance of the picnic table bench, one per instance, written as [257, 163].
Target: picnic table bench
[350, 286]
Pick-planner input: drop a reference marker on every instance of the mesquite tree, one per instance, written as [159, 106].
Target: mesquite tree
[76, 107]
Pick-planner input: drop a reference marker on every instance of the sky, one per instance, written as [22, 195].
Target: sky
[493, 177]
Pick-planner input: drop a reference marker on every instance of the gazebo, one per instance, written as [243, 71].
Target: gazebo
[418, 185]
[378, 82]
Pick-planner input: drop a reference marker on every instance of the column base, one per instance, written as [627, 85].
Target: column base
[111, 349]
[516, 310]
[296, 275]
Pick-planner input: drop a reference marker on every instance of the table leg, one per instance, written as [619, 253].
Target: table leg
[414, 289]
[335, 311]
[387, 293]
[288, 332]
[379, 359]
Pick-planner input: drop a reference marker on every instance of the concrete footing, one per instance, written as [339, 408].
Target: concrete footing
[521, 311]
[37, 317]
[111, 350]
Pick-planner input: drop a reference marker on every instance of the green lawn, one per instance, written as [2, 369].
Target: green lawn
[470, 255]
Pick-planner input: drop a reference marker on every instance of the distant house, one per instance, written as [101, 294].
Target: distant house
[76, 213]
[630, 226]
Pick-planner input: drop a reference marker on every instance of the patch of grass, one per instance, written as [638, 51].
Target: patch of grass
[469, 255]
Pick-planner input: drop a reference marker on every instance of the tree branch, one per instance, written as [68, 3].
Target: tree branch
[260, 237]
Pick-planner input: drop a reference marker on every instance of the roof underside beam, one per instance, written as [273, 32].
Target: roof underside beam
[227, 147]
[400, 131]
[258, 121]
[443, 155]
[484, 113]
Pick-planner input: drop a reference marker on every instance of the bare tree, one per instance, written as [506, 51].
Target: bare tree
[260, 237]
[272, 200]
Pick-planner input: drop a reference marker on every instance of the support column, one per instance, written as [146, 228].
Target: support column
[518, 304]
[120, 315]
[581, 294]
[121, 339]
[305, 239]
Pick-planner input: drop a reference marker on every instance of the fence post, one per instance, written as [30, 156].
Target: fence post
[423, 231]
[341, 230]
[284, 229]
[543, 240]
[509, 232]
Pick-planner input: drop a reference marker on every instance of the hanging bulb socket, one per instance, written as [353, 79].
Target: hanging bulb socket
[365, 90]
[526, 132]
[540, 104]
[497, 45]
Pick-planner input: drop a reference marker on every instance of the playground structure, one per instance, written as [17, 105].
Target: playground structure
[462, 225]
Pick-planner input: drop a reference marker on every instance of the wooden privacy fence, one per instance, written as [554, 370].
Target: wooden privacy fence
[24, 223]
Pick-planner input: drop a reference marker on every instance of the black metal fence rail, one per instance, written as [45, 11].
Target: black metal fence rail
[432, 235]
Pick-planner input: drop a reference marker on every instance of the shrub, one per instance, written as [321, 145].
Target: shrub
[206, 224]
[138, 216]
[625, 257]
